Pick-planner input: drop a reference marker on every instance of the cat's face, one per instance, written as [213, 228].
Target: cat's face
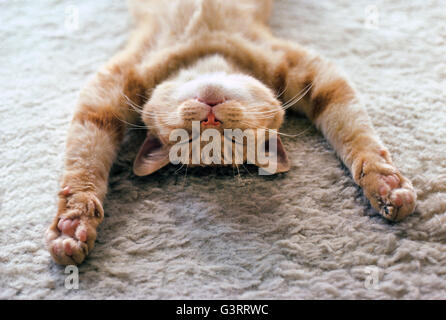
[215, 100]
[234, 100]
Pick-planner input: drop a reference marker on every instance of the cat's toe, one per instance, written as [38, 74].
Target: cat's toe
[68, 226]
[58, 247]
[75, 249]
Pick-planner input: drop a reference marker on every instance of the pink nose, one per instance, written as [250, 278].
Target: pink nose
[211, 101]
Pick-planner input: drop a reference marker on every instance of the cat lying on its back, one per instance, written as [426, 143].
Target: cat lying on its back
[215, 63]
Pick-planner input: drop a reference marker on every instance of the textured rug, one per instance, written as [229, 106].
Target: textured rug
[216, 233]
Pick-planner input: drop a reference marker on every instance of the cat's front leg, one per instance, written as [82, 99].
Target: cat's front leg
[93, 140]
[334, 107]
[347, 127]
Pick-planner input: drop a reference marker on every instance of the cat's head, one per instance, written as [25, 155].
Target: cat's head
[200, 98]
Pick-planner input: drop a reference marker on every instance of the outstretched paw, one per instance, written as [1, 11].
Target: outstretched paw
[389, 192]
[397, 199]
[72, 234]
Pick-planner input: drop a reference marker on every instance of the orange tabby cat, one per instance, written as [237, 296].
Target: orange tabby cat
[218, 63]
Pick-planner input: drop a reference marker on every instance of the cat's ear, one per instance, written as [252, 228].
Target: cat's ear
[152, 156]
[277, 158]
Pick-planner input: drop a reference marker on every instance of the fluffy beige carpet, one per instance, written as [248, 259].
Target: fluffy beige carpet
[215, 233]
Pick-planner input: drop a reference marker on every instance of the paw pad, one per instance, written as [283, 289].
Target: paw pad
[396, 197]
[73, 232]
[389, 192]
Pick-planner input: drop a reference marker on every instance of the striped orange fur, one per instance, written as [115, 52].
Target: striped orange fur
[178, 42]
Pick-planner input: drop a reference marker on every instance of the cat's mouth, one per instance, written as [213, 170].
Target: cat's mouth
[211, 120]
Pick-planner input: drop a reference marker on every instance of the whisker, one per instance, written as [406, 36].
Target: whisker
[139, 109]
[136, 129]
[300, 95]
[247, 169]
[127, 123]
[144, 96]
[132, 125]
[271, 113]
[161, 115]
[262, 115]
[283, 91]
[240, 180]
[176, 171]
[276, 131]
[185, 176]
